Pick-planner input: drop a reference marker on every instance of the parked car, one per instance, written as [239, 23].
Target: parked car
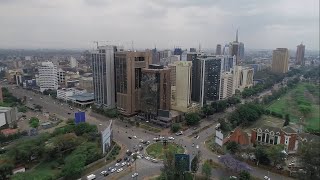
[123, 164]
[91, 177]
[179, 133]
[117, 164]
[119, 160]
[266, 178]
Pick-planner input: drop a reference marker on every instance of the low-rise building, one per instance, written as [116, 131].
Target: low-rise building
[66, 93]
[86, 83]
[268, 135]
[8, 116]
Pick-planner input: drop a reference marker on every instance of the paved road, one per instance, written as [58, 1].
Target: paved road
[121, 133]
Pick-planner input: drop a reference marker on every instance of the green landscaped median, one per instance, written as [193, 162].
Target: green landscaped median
[156, 150]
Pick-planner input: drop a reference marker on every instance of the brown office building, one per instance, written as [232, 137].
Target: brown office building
[128, 72]
[300, 54]
[280, 59]
[155, 90]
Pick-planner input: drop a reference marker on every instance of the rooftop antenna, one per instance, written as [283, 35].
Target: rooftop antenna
[237, 35]
[132, 45]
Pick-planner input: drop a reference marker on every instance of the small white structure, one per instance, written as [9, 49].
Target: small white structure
[219, 138]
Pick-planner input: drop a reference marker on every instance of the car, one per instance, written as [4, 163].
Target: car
[179, 133]
[171, 138]
[194, 128]
[119, 170]
[110, 168]
[142, 156]
[129, 153]
[113, 170]
[218, 126]
[140, 148]
[155, 139]
[141, 140]
[103, 172]
[292, 164]
[192, 145]
[91, 177]
[128, 160]
[134, 175]
[232, 177]
[129, 137]
[139, 157]
[134, 137]
[154, 160]
[69, 113]
[119, 160]
[106, 174]
[148, 142]
[266, 178]
[161, 138]
[117, 164]
[147, 158]
[123, 164]
[128, 164]
[197, 146]
[196, 137]
[125, 159]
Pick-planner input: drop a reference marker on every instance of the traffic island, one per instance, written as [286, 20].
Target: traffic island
[156, 150]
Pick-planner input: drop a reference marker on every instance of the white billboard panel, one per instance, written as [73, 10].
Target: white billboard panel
[2, 119]
[219, 138]
[106, 138]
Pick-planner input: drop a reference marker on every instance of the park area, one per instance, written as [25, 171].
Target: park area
[157, 150]
[302, 105]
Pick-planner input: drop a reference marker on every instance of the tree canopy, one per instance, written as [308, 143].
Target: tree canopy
[192, 118]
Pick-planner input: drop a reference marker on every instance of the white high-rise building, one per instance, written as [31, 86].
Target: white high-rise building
[104, 76]
[48, 78]
[227, 86]
[73, 62]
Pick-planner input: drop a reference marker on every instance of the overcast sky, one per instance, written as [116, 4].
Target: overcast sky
[263, 24]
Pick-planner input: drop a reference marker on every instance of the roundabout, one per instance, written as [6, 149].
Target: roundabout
[156, 150]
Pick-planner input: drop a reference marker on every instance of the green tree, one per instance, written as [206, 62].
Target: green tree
[192, 118]
[207, 110]
[175, 127]
[232, 147]
[83, 128]
[309, 154]
[206, 170]
[34, 122]
[244, 175]
[287, 120]
[224, 126]
[195, 164]
[275, 154]
[6, 166]
[261, 156]
[74, 165]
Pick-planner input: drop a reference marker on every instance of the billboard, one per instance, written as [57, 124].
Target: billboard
[106, 138]
[219, 138]
[79, 117]
[182, 161]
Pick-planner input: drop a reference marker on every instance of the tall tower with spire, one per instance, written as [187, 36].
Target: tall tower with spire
[237, 36]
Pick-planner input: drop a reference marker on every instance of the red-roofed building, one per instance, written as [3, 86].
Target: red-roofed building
[8, 132]
[238, 136]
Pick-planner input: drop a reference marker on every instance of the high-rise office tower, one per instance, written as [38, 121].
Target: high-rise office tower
[193, 50]
[48, 78]
[73, 62]
[128, 67]
[181, 85]
[155, 56]
[155, 90]
[280, 59]
[210, 81]
[227, 85]
[235, 49]
[228, 63]
[300, 54]
[226, 50]
[103, 76]
[241, 51]
[195, 76]
[218, 49]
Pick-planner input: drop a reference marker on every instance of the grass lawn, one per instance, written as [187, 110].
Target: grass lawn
[156, 149]
[287, 105]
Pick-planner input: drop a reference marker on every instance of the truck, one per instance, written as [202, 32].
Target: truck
[91, 177]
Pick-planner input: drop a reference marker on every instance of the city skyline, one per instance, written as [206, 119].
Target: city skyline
[164, 24]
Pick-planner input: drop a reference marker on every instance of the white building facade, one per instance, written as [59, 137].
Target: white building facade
[66, 93]
[48, 78]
